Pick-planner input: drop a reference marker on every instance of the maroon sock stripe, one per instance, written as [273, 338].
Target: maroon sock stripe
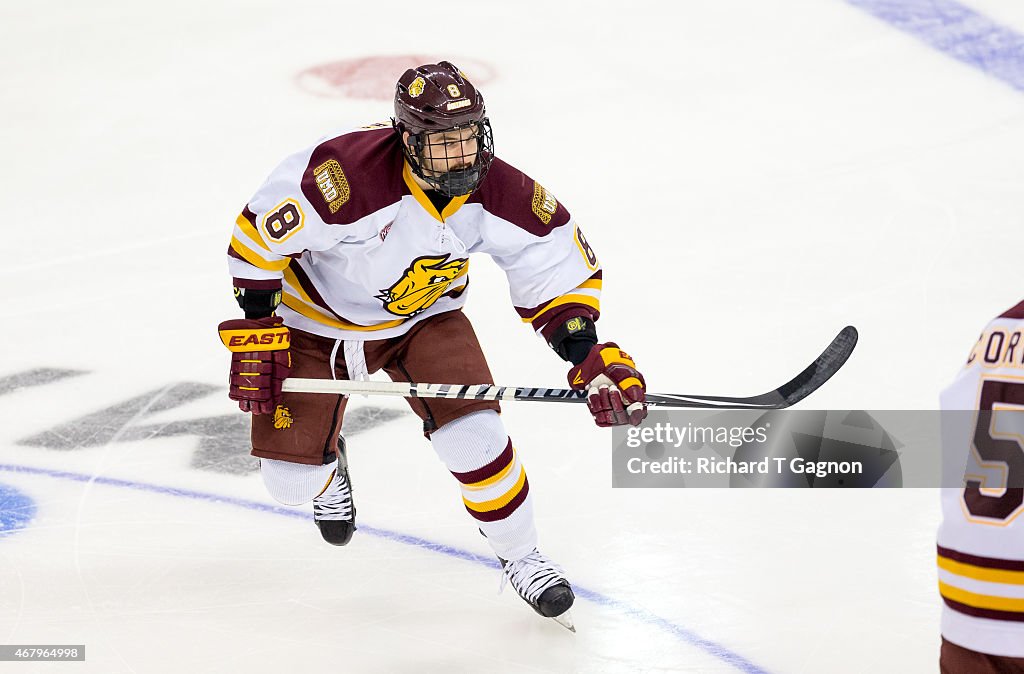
[984, 562]
[991, 614]
[490, 470]
[504, 511]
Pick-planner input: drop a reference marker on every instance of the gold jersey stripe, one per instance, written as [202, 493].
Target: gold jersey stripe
[593, 284]
[250, 231]
[591, 302]
[314, 313]
[980, 572]
[253, 258]
[291, 279]
[502, 474]
[981, 600]
[501, 501]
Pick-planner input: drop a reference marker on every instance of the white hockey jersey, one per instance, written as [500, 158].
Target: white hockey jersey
[981, 540]
[360, 251]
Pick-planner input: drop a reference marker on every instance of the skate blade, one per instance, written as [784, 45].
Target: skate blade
[565, 620]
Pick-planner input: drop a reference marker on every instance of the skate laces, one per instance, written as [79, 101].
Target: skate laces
[531, 575]
[336, 501]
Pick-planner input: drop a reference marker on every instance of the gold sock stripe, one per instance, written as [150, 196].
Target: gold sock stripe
[501, 501]
[501, 475]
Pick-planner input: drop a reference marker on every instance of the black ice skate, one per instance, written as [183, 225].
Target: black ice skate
[334, 511]
[540, 582]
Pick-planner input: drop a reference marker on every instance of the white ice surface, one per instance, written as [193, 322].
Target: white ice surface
[753, 176]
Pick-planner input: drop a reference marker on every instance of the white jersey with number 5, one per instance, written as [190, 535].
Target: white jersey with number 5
[981, 540]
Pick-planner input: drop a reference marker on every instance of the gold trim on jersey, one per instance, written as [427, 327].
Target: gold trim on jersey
[571, 298]
[424, 201]
[315, 313]
[980, 572]
[257, 260]
[981, 600]
[250, 231]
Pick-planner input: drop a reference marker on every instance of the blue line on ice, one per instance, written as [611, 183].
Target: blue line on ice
[684, 634]
[16, 510]
[958, 31]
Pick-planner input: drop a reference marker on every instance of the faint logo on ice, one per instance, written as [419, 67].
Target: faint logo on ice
[223, 439]
[374, 77]
[16, 510]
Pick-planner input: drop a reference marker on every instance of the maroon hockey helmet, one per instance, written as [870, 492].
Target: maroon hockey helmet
[450, 144]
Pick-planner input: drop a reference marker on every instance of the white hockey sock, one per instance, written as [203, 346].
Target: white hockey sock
[478, 452]
[295, 483]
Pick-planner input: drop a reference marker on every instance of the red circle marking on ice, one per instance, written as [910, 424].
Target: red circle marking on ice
[375, 76]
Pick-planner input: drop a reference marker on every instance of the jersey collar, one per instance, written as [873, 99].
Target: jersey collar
[417, 193]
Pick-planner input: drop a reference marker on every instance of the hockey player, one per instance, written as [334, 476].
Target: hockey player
[353, 257]
[981, 540]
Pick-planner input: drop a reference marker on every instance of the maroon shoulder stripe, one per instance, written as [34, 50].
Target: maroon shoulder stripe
[991, 614]
[504, 511]
[490, 470]
[1015, 312]
[984, 562]
[509, 194]
[353, 175]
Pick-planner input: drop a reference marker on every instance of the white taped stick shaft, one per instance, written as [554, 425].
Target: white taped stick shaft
[399, 389]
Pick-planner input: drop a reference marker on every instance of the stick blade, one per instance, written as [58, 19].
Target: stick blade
[821, 370]
[790, 393]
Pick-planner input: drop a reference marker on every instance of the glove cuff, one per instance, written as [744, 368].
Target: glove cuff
[244, 335]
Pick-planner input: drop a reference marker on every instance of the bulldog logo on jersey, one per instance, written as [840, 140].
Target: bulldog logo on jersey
[422, 283]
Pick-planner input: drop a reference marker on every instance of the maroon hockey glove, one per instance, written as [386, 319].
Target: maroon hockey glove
[260, 361]
[616, 387]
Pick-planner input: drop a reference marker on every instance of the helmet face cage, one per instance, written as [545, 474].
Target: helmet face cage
[452, 161]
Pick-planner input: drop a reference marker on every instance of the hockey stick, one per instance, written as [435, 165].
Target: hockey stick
[790, 393]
